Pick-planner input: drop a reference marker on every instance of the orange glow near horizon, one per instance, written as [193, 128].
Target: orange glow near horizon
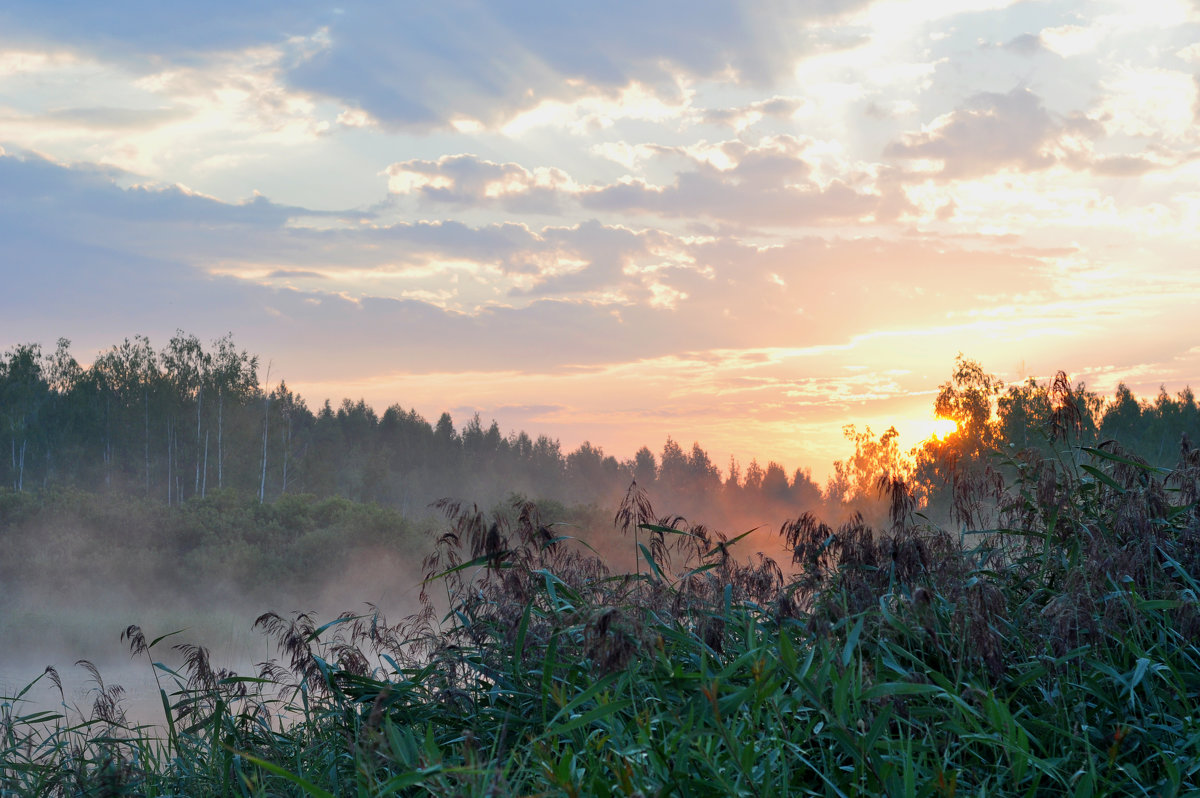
[940, 429]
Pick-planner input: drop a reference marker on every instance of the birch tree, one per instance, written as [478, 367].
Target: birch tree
[23, 391]
[234, 377]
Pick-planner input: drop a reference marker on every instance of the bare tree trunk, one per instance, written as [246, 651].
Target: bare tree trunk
[178, 476]
[21, 468]
[220, 430]
[204, 483]
[287, 446]
[106, 452]
[170, 483]
[262, 485]
[199, 405]
[146, 396]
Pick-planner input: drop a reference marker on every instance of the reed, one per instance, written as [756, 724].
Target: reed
[1052, 652]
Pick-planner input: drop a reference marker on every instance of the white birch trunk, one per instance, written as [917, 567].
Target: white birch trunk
[262, 485]
[220, 429]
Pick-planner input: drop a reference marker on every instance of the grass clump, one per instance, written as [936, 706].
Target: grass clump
[1052, 652]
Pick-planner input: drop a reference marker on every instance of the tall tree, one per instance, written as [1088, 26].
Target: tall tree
[854, 479]
[23, 394]
[188, 370]
[292, 414]
[128, 376]
[234, 376]
[266, 398]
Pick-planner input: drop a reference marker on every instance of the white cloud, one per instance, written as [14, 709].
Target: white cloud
[992, 132]
[356, 117]
[1190, 54]
[600, 110]
[1071, 40]
[33, 62]
[1154, 103]
[742, 117]
[158, 121]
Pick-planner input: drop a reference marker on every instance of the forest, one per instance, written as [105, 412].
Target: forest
[189, 420]
[1008, 610]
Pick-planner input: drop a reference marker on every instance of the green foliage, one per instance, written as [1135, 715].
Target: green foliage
[1051, 654]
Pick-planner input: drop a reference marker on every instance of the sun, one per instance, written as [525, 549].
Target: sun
[941, 428]
[930, 429]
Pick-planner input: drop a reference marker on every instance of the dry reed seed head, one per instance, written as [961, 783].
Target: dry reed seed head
[1047, 486]
[1065, 415]
[909, 555]
[1132, 472]
[986, 607]
[495, 545]
[694, 544]
[1185, 477]
[611, 639]
[272, 671]
[197, 666]
[56, 680]
[855, 544]
[351, 660]
[107, 705]
[1069, 618]
[528, 516]
[712, 632]
[901, 501]
[92, 670]
[635, 509]
[786, 605]
[137, 640]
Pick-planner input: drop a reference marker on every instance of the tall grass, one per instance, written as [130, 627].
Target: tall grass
[1053, 652]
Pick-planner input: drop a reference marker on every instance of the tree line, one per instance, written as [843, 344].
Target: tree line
[188, 419]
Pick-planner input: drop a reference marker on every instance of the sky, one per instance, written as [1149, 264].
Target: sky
[743, 224]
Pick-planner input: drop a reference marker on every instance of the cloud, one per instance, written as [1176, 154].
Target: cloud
[581, 294]
[491, 61]
[171, 120]
[296, 274]
[102, 118]
[1158, 104]
[742, 117]
[1126, 166]
[991, 132]
[769, 184]
[86, 198]
[432, 63]
[1070, 40]
[130, 31]
[1026, 44]
[893, 109]
[468, 180]
[773, 182]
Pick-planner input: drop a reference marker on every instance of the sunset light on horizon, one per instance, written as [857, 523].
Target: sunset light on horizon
[746, 226]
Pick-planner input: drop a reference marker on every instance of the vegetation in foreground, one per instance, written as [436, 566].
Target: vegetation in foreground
[1051, 651]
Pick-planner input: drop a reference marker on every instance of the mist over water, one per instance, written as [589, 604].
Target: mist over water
[56, 622]
[80, 587]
